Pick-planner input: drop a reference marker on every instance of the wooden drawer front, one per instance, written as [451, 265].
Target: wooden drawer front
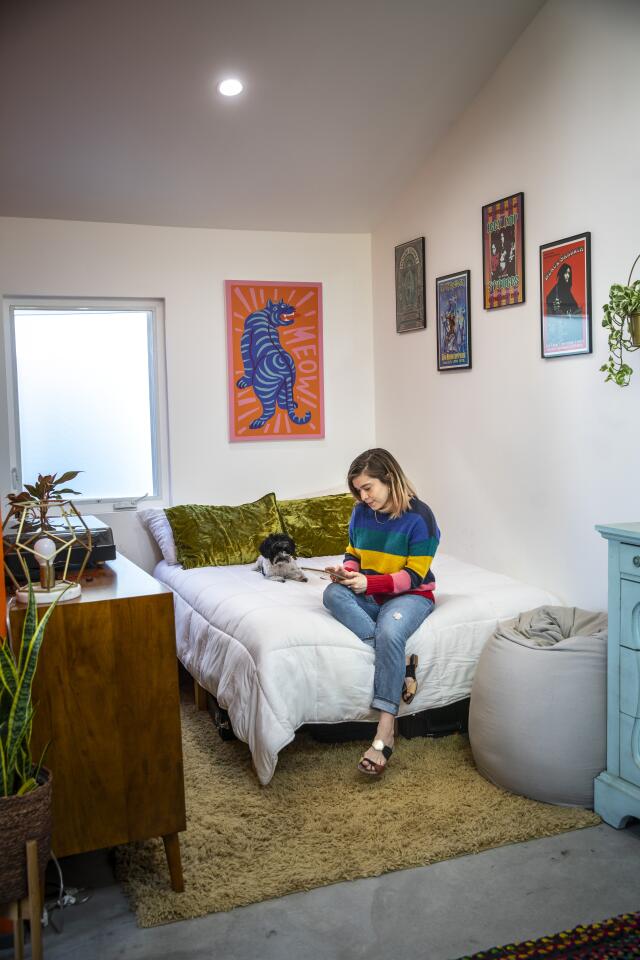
[630, 614]
[630, 682]
[630, 559]
[630, 749]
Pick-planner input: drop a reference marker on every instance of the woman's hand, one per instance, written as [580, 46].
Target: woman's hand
[355, 581]
[337, 573]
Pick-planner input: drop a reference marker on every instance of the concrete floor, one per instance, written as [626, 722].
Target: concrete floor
[439, 912]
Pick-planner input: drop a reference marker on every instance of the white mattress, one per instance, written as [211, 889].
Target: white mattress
[275, 658]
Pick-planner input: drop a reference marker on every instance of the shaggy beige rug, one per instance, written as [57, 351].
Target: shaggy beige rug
[319, 821]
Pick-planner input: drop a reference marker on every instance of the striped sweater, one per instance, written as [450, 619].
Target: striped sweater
[394, 554]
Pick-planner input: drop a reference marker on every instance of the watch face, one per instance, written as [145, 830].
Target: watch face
[378, 745]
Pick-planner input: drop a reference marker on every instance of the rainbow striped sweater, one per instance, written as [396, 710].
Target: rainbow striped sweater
[394, 554]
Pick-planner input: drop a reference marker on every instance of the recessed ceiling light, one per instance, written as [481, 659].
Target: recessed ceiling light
[230, 88]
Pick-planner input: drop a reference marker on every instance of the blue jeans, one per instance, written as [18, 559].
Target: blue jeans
[386, 628]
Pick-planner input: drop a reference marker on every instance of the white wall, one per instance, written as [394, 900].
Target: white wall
[187, 268]
[520, 456]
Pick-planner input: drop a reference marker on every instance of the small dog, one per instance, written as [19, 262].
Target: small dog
[277, 560]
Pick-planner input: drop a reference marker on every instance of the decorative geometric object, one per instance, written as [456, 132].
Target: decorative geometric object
[31, 530]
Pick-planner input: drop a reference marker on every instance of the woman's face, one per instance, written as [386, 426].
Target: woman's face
[373, 492]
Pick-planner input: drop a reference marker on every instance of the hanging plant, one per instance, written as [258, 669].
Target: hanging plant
[622, 320]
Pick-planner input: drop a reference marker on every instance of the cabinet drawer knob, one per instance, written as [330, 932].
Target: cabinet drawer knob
[636, 561]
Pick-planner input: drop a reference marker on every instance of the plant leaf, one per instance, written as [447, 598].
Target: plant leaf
[69, 475]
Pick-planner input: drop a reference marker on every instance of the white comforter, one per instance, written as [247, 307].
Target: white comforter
[275, 658]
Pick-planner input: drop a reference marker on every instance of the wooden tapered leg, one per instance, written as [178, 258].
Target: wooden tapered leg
[174, 860]
[200, 695]
[35, 899]
[18, 931]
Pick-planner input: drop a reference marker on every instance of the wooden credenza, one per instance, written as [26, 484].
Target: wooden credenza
[107, 702]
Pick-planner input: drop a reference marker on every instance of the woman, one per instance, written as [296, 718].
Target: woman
[560, 299]
[385, 587]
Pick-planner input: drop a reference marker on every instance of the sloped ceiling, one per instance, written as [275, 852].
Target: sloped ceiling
[109, 109]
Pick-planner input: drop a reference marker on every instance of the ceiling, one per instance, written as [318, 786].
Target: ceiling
[108, 108]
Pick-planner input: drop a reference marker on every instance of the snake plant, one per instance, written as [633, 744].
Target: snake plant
[18, 773]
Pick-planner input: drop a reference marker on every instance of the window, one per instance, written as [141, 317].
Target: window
[86, 392]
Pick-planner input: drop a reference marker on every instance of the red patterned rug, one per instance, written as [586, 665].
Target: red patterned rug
[615, 939]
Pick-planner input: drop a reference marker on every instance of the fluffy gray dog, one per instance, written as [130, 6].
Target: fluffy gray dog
[277, 560]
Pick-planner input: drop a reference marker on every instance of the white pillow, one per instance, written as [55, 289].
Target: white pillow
[159, 527]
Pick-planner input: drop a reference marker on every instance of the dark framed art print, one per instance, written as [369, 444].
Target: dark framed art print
[453, 309]
[410, 299]
[565, 296]
[503, 252]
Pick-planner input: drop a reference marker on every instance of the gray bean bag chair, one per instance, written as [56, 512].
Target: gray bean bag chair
[537, 719]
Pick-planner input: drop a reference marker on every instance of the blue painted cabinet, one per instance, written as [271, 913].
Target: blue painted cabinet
[617, 789]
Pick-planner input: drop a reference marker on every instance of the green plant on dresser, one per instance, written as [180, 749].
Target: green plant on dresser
[617, 789]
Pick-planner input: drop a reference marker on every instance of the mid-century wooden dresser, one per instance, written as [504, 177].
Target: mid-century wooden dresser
[106, 690]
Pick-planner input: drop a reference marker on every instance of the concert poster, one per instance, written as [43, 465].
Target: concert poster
[503, 252]
[565, 296]
[453, 307]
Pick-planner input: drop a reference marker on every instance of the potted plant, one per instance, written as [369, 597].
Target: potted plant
[25, 785]
[42, 494]
[622, 320]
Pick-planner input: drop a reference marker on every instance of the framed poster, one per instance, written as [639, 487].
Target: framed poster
[410, 303]
[503, 252]
[453, 309]
[274, 360]
[565, 296]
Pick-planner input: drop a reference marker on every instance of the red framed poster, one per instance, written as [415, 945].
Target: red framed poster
[503, 252]
[565, 296]
[274, 360]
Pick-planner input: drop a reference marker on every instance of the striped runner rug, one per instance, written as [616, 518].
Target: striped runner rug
[614, 939]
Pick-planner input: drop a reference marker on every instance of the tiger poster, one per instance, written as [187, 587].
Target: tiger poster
[274, 360]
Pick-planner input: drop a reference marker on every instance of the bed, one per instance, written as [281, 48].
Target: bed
[275, 659]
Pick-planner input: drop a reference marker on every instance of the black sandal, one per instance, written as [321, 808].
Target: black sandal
[410, 685]
[375, 769]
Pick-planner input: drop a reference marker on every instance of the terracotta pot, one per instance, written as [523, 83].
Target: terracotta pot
[21, 819]
[634, 328]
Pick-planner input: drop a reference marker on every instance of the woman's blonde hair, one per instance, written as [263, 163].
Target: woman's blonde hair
[382, 465]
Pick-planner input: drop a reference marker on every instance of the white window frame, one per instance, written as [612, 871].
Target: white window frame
[161, 495]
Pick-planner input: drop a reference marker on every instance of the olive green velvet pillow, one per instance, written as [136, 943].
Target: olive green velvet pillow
[208, 536]
[319, 525]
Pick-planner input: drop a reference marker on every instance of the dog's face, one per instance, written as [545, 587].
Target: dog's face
[278, 548]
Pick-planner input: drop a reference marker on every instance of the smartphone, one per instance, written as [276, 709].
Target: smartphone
[337, 574]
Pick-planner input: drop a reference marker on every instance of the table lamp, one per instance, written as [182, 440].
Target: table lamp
[46, 540]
